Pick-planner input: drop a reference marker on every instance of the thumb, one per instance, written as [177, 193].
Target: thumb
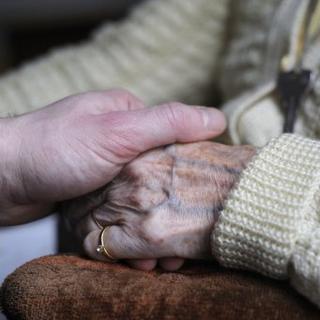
[140, 130]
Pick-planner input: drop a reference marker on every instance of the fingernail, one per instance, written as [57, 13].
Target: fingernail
[213, 119]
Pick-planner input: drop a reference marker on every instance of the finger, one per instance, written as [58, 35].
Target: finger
[84, 226]
[171, 264]
[91, 243]
[140, 130]
[177, 122]
[143, 264]
[118, 244]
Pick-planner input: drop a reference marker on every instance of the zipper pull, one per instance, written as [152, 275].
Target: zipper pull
[292, 87]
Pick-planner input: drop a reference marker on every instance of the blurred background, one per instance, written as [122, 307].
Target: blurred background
[29, 29]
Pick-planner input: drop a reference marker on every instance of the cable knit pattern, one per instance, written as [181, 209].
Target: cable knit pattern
[252, 63]
[271, 222]
[167, 50]
[261, 33]
[250, 23]
[246, 126]
[310, 111]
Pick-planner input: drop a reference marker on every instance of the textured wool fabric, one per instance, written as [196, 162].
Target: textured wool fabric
[310, 112]
[69, 287]
[252, 61]
[250, 24]
[261, 34]
[256, 117]
[166, 50]
[271, 222]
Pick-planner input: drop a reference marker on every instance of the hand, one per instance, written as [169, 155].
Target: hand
[163, 204]
[78, 144]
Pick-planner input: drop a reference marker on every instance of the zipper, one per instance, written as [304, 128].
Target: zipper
[295, 25]
[287, 24]
[278, 39]
[294, 81]
[287, 43]
[278, 42]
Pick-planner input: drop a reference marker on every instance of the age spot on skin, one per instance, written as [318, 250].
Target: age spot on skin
[167, 198]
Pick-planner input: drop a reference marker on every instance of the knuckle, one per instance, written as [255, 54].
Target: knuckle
[122, 94]
[152, 234]
[126, 97]
[117, 94]
[175, 114]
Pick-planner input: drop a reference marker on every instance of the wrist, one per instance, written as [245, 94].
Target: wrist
[8, 160]
[14, 209]
[247, 155]
[9, 146]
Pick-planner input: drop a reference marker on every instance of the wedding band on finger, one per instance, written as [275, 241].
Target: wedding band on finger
[102, 249]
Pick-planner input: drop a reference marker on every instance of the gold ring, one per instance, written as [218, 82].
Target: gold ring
[102, 249]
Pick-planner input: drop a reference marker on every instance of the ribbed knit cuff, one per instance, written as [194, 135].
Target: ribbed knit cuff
[270, 208]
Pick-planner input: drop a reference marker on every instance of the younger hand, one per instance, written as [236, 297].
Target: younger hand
[79, 144]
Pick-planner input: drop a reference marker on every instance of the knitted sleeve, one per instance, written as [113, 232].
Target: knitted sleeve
[271, 222]
[166, 50]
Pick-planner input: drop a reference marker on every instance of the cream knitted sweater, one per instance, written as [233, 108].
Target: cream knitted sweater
[175, 50]
[252, 60]
[271, 222]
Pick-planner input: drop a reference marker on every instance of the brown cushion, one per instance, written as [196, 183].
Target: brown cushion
[69, 287]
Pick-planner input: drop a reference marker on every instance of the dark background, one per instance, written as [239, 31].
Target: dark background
[29, 28]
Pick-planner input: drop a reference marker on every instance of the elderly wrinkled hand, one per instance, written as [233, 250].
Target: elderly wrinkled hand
[162, 204]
